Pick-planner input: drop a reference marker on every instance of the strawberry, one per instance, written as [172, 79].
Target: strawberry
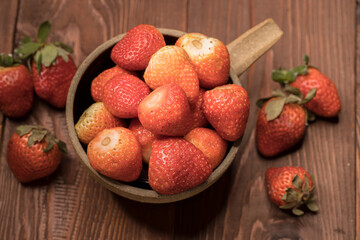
[176, 166]
[16, 88]
[144, 137]
[197, 117]
[209, 56]
[95, 119]
[33, 153]
[165, 111]
[116, 153]
[290, 187]
[281, 122]
[123, 94]
[52, 67]
[210, 143]
[227, 109]
[171, 64]
[98, 83]
[326, 103]
[135, 49]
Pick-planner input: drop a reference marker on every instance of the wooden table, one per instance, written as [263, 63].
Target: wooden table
[71, 205]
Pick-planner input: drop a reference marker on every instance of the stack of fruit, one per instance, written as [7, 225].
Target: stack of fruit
[170, 108]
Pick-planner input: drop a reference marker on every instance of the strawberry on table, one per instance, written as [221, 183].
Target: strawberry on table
[210, 143]
[116, 153]
[171, 64]
[123, 94]
[327, 102]
[16, 88]
[209, 56]
[33, 153]
[291, 187]
[95, 119]
[144, 137]
[227, 109]
[165, 111]
[176, 165]
[98, 83]
[281, 122]
[135, 49]
[52, 67]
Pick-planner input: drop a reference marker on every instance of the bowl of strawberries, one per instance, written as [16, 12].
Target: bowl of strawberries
[157, 115]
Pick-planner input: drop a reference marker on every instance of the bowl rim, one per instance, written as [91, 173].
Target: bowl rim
[121, 188]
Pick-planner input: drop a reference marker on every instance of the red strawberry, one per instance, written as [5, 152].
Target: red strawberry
[135, 49]
[52, 67]
[209, 56]
[227, 109]
[123, 94]
[326, 103]
[165, 111]
[290, 187]
[116, 153]
[281, 121]
[171, 64]
[144, 137]
[33, 153]
[16, 88]
[210, 143]
[95, 119]
[197, 117]
[176, 166]
[97, 85]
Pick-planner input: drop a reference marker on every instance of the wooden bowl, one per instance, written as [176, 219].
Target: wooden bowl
[79, 99]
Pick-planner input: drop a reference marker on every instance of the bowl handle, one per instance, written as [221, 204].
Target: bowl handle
[248, 47]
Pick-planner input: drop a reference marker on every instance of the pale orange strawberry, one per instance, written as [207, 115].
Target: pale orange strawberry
[209, 56]
[210, 143]
[165, 111]
[116, 153]
[95, 119]
[171, 64]
[144, 136]
[97, 85]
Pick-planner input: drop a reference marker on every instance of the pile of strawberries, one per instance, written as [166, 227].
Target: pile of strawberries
[166, 106]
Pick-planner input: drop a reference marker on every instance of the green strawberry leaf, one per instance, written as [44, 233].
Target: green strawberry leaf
[43, 32]
[292, 99]
[288, 205]
[1, 59]
[293, 90]
[64, 46]
[61, 145]
[297, 211]
[8, 60]
[291, 195]
[274, 108]
[300, 70]
[261, 102]
[278, 93]
[28, 49]
[309, 96]
[64, 54]
[312, 206]
[37, 135]
[283, 76]
[48, 55]
[26, 39]
[38, 61]
[24, 129]
[50, 139]
[306, 59]
[306, 184]
[297, 183]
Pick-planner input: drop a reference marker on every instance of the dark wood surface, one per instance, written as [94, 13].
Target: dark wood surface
[71, 205]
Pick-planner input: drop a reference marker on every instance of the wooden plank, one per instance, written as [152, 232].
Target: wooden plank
[70, 204]
[312, 27]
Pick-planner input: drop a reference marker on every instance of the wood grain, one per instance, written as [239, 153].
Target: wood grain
[71, 205]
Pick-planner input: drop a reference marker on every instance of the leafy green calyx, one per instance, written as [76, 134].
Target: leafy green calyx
[42, 52]
[284, 76]
[39, 134]
[8, 60]
[300, 194]
[290, 94]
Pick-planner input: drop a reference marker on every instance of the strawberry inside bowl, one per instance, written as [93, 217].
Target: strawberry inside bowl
[80, 98]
